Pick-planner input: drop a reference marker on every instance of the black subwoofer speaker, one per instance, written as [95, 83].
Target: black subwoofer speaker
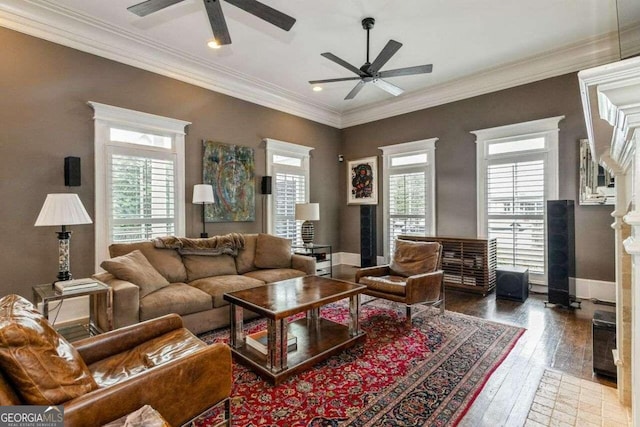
[512, 283]
[561, 263]
[368, 246]
[72, 171]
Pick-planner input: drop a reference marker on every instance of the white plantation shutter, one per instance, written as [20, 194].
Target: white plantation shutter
[143, 200]
[290, 188]
[407, 204]
[515, 212]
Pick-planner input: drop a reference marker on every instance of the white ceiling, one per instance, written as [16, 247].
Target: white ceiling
[475, 46]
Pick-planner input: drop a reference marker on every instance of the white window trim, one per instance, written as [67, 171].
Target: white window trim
[547, 128]
[289, 149]
[107, 116]
[427, 146]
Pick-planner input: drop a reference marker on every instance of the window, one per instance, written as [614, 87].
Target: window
[517, 167]
[139, 177]
[288, 165]
[409, 190]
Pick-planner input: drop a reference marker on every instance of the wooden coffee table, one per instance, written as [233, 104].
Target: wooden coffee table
[317, 338]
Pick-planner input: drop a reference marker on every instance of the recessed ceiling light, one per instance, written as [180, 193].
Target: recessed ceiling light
[317, 88]
[213, 44]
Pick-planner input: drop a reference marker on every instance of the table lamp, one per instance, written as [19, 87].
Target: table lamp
[63, 210]
[202, 195]
[307, 212]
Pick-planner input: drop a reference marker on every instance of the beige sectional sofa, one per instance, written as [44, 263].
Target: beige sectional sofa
[193, 285]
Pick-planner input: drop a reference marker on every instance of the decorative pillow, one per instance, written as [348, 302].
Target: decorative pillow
[166, 261]
[135, 268]
[411, 258]
[43, 367]
[245, 261]
[272, 252]
[199, 266]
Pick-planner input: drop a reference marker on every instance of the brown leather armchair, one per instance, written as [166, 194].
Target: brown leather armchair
[414, 276]
[102, 378]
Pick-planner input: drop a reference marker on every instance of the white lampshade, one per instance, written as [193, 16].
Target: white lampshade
[308, 211]
[62, 209]
[202, 193]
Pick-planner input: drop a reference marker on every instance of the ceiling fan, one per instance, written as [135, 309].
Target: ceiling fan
[216, 17]
[370, 72]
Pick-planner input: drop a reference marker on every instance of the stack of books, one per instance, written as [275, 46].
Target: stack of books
[258, 341]
[66, 286]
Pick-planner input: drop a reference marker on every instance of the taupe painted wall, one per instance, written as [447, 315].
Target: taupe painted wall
[44, 116]
[456, 162]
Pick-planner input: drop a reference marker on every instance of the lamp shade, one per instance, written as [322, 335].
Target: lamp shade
[62, 209]
[202, 193]
[308, 211]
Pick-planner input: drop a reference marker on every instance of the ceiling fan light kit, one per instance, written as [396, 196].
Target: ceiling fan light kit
[370, 72]
[216, 17]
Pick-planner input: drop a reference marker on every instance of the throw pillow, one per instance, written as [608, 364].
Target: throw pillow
[272, 252]
[135, 268]
[43, 367]
[411, 258]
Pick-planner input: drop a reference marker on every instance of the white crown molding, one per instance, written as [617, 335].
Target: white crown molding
[46, 20]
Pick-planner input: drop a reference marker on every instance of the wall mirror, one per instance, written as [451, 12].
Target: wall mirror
[596, 183]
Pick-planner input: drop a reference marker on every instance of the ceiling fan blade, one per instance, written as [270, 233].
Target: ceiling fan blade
[265, 12]
[217, 21]
[389, 50]
[345, 64]
[355, 90]
[388, 87]
[342, 79]
[150, 6]
[408, 71]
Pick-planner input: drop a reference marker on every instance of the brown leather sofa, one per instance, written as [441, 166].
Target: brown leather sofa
[102, 378]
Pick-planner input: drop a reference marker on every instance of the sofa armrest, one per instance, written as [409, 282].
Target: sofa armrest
[203, 376]
[126, 302]
[376, 271]
[113, 342]
[425, 287]
[304, 263]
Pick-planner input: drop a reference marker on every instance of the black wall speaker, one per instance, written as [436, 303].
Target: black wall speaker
[368, 246]
[72, 171]
[512, 283]
[561, 258]
[266, 185]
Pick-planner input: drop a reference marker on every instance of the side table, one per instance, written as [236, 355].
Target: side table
[322, 254]
[46, 294]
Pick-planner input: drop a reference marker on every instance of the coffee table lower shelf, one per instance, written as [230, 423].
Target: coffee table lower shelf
[313, 345]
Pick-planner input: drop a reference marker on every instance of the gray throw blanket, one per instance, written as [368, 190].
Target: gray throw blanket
[228, 244]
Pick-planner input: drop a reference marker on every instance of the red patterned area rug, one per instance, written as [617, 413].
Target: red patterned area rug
[426, 375]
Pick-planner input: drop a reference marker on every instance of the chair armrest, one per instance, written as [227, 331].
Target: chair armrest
[424, 287]
[376, 271]
[113, 342]
[304, 263]
[126, 302]
[178, 390]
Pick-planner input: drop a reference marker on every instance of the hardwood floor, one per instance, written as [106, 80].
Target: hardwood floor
[556, 338]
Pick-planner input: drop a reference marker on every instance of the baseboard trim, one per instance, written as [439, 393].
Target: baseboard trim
[596, 289]
[349, 258]
[72, 310]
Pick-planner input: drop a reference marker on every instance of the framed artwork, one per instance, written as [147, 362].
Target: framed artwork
[230, 169]
[362, 179]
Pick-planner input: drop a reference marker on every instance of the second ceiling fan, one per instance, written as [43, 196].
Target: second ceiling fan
[216, 17]
[370, 72]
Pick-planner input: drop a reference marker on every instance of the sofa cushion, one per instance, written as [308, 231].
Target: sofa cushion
[134, 267]
[246, 256]
[218, 286]
[167, 261]
[199, 266]
[275, 274]
[43, 367]
[157, 351]
[272, 252]
[178, 298]
[411, 258]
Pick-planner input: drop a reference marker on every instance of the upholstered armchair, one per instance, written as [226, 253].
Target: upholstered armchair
[103, 378]
[413, 276]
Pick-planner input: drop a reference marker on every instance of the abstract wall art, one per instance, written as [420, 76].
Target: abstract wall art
[231, 171]
[362, 176]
